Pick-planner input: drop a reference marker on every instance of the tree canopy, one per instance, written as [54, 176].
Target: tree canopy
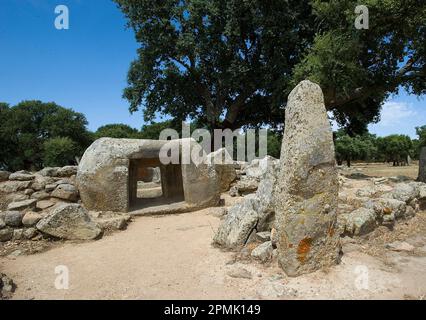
[117, 130]
[27, 126]
[232, 63]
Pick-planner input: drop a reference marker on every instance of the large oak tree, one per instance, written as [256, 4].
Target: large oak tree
[232, 63]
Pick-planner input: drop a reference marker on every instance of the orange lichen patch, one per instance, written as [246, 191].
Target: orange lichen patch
[387, 210]
[330, 231]
[303, 249]
[290, 245]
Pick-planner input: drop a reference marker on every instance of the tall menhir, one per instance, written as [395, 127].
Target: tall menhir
[307, 189]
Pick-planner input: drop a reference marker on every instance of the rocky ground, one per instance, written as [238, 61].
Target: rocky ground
[382, 222]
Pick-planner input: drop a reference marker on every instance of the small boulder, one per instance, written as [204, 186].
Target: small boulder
[241, 273]
[67, 171]
[4, 175]
[66, 192]
[30, 233]
[264, 236]
[14, 186]
[22, 205]
[44, 204]
[400, 246]
[263, 252]
[69, 221]
[48, 172]
[31, 218]
[13, 218]
[21, 176]
[6, 234]
[40, 195]
[358, 222]
[112, 223]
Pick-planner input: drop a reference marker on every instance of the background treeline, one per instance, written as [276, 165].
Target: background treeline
[34, 134]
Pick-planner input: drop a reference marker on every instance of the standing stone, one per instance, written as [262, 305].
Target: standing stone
[307, 187]
[422, 165]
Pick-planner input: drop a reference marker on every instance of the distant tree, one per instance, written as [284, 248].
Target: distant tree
[395, 148]
[346, 149]
[26, 126]
[117, 131]
[59, 152]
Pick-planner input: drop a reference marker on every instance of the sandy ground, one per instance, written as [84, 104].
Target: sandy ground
[171, 257]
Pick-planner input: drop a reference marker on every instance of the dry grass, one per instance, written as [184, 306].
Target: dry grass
[387, 170]
[374, 243]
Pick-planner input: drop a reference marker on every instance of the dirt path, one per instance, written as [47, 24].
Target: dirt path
[171, 257]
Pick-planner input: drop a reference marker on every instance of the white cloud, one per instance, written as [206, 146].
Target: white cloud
[395, 113]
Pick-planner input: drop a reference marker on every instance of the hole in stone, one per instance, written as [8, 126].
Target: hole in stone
[153, 184]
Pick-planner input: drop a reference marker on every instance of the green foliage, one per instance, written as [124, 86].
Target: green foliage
[232, 63]
[274, 144]
[395, 148]
[359, 69]
[421, 132]
[117, 131]
[59, 152]
[27, 126]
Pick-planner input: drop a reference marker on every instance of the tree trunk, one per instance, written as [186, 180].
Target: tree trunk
[348, 162]
[422, 165]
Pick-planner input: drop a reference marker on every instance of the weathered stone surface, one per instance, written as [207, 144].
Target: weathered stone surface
[240, 273]
[49, 172]
[403, 192]
[103, 173]
[40, 195]
[112, 223]
[40, 182]
[14, 186]
[67, 171]
[246, 185]
[44, 204]
[28, 192]
[6, 234]
[358, 222]
[224, 166]
[307, 188]
[29, 233]
[69, 221]
[264, 236]
[400, 246]
[21, 176]
[422, 166]
[13, 218]
[255, 211]
[388, 209]
[22, 205]
[4, 175]
[238, 224]
[30, 219]
[2, 223]
[233, 192]
[66, 192]
[20, 197]
[263, 252]
[18, 234]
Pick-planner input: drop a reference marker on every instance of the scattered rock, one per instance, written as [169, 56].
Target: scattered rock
[263, 236]
[67, 171]
[31, 218]
[13, 218]
[22, 205]
[30, 233]
[239, 272]
[112, 223]
[49, 172]
[21, 176]
[6, 234]
[233, 192]
[14, 186]
[263, 252]
[69, 221]
[20, 197]
[66, 192]
[40, 195]
[44, 204]
[18, 234]
[7, 287]
[358, 222]
[400, 246]
[4, 175]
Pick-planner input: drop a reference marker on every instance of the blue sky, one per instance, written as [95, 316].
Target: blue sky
[85, 67]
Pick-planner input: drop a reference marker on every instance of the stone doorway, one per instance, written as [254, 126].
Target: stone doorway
[153, 184]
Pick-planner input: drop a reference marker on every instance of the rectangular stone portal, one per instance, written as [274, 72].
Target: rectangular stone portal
[154, 184]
